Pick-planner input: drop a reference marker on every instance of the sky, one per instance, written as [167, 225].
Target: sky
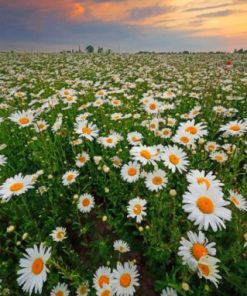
[123, 25]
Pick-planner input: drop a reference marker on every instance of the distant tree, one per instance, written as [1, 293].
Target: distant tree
[100, 49]
[89, 49]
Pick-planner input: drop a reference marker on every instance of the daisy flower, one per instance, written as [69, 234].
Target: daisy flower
[64, 92]
[201, 177]
[40, 126]
[83, 289]
[33, 272]
[219, 156]
[23, 118]
[86, 203]
[206, 207]
[130, 172]
[86, 129]
[70, 177]
[15, 186]
[121, 246]
[125, 279]
[82, 159]
[103, 276]
[105, 291]
[58, 123]
[195, 248]
[134, 138]
[152, 106]
[70, 99]
[61, 289]
[58, 234]
[207, 267]
[136, 209]
[168, 292]
[109, 141]
[211, 146]
[174, 158]
[144, 154]
[165, 133]
[238, 200]
[156, 180]
[116, 161]
[196, 130]
[183, 138]
[234, 128]
[3, 160]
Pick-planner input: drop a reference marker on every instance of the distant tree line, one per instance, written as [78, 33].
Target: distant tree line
[241, 50]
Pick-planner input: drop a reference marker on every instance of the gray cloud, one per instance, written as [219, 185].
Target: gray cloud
[207, 7]
[218, 13]
[141, 13]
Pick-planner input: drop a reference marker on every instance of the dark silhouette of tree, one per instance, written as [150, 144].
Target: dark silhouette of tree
[90, 49]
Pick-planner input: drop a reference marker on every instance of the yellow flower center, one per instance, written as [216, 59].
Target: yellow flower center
[204, 268]
[211, 147]
[109, 140]
[125, 280]
[191, 129]
[146, 154]
[82, 159]
[218, 157]
[83, 290]
[137, 209]
[106, 293]
[205, 205]
[132, 172]
[152, 125]
[184, 140]
[70, 177]
[104, 279]
[152, 106]
[38, 266]
[198, 251]
[135, 139]
[69, 98]
[41, 126]
[157, 180]
[60, 235]
[59, 293]
[86, 130]
[166, 132]
[174, 159]
[16, 187]
[85, 202]
[66, 92]
[234, 128]
[235, 200]
[203, 181]
[24, 120]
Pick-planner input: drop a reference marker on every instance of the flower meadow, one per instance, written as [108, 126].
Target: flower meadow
[123, 174]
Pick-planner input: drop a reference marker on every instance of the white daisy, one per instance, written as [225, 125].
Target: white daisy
[219, 156]
[238, 200]
[23, 118]
[206, 207]
[81, 159]
[70, 177]
[61, 289]
[86, 129]
[15, 186]
[105, 291]
[125, 279]
[156, 180]
[234, 128]
[130, 172]
[33, 272]
[207, 267]
[168, 292]
[201, 177]
[86, 203]
[3, 160]
[121, 246]
[144, 154]
[196, 130]
[174, 158]
[58, 234]
[116, 161]
[196, 247]
[83, 289]
[211, 146]
[165, 133]
[136, 209]
[40, 126]
[103, 276]
[134, 138]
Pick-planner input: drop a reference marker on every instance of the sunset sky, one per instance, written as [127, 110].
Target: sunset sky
[123, 25]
